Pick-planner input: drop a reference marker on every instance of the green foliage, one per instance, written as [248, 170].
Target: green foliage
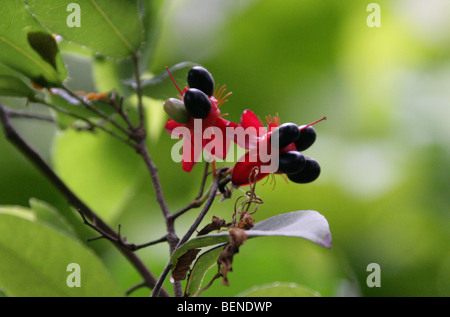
[307, 224]
[14, 87]
[29, 271]
[101, 170]
[205, 261]
[19, 51]
[384, 150]
[110, 28]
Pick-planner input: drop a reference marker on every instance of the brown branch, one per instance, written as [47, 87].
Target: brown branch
[151, 167]
[90, 123]
[144, 245]
[96, 110]
[198, 220]
[26, 115]
[120, 110]
[206, 207]
[139, 135]
[14, 137]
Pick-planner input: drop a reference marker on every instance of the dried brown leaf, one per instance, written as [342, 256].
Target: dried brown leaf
[225, 261]
[216, 224]
[246, 222]
[183, 264]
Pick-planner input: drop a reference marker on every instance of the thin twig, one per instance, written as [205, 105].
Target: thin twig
[139, 135]
[120, 110]
[162, 277]
[191, 230]
[144, 245]
[135, 287]
[151, 167]
[90, 123]
[14, 137]
[205, 209]
[96, 110]
[198, 200]
[26, 115]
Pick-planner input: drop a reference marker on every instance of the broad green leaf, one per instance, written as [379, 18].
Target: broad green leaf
[14, 87]
[152, 22]
[13, 83]
[35, 259]
[45, 45]
[279, 289]
[110, 28]
[204, 263]
[161, 85]
[49, 215]
[100, 169]
[307, 224]
[25, 53]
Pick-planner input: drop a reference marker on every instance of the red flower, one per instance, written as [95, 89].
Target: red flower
[207, 130]
[242, 170]
[266, 151]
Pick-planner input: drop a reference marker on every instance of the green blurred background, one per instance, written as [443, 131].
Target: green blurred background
[384, 150]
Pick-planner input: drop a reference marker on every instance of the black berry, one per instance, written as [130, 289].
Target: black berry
[198, 77]
[306, 138]
[197, 103]
[308, 174]
[286, 134]
[291, 162]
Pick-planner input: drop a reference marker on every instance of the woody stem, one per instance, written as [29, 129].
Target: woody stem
[34, 157]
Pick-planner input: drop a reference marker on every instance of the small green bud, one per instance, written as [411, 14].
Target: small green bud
[176, 110]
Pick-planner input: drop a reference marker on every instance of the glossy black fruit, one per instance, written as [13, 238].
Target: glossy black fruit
[291, 162]
[197, 103]
[309, 173]
[286, 134]
[306, 138]
[198, 77]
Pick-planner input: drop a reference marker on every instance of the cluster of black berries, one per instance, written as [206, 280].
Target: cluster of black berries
[297, 167]
[196, 98]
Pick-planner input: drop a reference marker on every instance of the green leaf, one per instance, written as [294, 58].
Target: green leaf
[12, 86]
[152, 22]
[35, 258]
[101, 170]
[307, 224]
[16, 46]
[279, 289]
[110, 28]
[204, 263]
[45, 45]
[48, 214]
